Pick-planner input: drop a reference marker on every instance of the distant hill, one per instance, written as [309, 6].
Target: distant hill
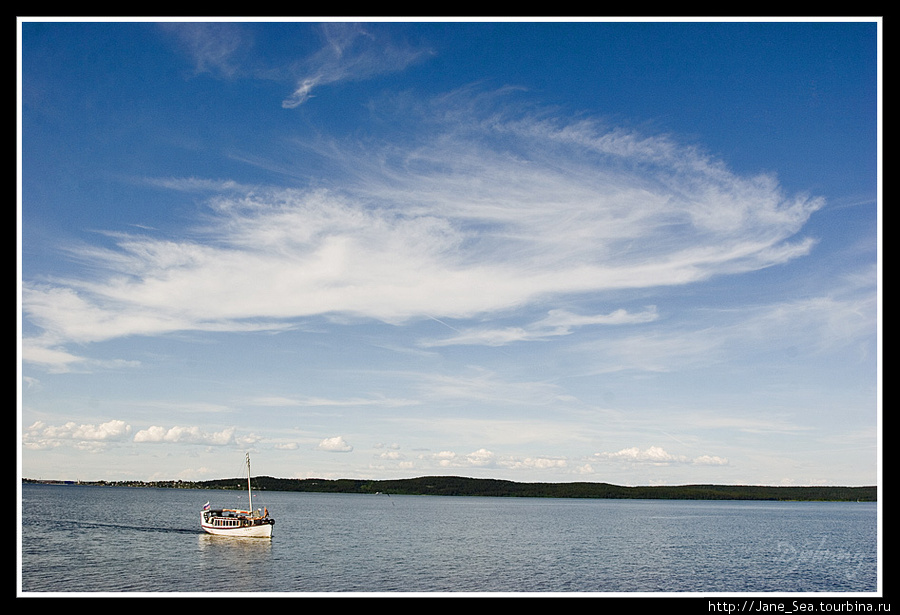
[459, 485]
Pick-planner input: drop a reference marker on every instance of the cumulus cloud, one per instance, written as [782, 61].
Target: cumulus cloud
[185, 435]
[485, 458]
[710, 460]
[337, 444]
[657, 456]
[481, 457]
[41, 436]
[391, 455]
[445, 458]
[535, 463]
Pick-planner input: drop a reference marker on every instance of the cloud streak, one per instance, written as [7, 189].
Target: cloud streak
[212, 46]
[350, 53]
[557, 323]
[457, 226]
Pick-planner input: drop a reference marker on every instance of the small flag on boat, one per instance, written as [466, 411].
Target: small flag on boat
[206, 506]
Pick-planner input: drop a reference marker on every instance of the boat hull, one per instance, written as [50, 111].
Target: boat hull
[248, 528]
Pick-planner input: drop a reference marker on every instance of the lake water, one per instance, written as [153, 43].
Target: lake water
[117, 539]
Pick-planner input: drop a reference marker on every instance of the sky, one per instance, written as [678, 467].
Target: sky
[636, 252]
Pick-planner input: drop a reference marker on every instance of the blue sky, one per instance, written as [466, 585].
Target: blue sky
[629, 252]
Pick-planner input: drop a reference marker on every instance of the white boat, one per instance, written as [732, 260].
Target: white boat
[232, 522]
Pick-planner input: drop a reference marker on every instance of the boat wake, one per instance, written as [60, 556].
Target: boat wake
[137, 528]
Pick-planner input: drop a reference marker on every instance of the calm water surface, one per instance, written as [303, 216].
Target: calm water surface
[105, 539]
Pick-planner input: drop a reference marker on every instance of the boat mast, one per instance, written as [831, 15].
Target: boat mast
[249, 491]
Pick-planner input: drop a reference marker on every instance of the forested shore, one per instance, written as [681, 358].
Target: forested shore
[462, 486]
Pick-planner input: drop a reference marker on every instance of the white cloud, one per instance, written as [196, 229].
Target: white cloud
[481, 457]
[657, 456]
[34, 351]
[212, 46]
[840, 320]
[46, 351]
[710, 460]
[41, 436]
[485, 386]
[455, 226]
[337, 444]
[445, 458]
[485, 458]
[535, 463]
[350, 53]
[557, 323]
[276, 401]
[652, 454]
[185, 435]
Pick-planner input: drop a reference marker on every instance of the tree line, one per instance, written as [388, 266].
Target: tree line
[462, 486]
[487, 487]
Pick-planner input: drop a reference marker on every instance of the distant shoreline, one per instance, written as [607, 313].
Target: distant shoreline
[462, 486]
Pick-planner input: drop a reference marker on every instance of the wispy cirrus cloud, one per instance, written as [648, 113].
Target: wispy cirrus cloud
[306, 402]
[484, 386]
[348, 52]
[211, 46]
[351, 53]
[457, 223]
[842, 321]
[557, 323]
